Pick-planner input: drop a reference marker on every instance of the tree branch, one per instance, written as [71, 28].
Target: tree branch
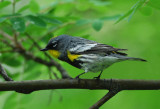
[114, 86]
[93, 84]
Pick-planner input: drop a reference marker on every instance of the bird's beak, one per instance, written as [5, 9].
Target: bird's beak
[45, 49]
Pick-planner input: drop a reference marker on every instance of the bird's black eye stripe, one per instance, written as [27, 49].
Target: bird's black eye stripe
[53, 42]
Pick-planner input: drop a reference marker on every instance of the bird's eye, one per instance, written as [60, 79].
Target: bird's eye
[54, 45]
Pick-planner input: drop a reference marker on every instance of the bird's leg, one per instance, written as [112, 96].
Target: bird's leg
[77, 77]
[98, 77]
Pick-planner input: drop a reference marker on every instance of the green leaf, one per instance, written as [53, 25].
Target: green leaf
[82, 22]
[147, 11]
[107, 18]
[18, 23]
[34, 7]
[4, 17]
[36, 20]
[4, 4]
[124, 16]
[154, 3]
[131, 12]
[135, 8]
[50, 20]
[23, 8]
[97, 25]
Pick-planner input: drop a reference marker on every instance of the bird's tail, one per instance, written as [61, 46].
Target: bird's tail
[133, 58]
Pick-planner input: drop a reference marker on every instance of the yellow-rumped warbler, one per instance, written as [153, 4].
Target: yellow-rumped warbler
[85, 54]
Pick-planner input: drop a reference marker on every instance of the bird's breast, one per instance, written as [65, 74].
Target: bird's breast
[54, 53]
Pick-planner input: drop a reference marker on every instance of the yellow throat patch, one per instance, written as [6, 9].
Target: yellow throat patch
[54, 53]
[72, 57]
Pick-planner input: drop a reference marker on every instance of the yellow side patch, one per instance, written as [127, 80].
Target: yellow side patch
[72, 57]
[114, 52]
[54, 53]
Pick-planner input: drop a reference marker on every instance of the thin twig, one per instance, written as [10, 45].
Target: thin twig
[13, 6]
[55, 75]
[36, 45]
[50, 73]
[6, 51]
[34, 42]
[4, 74]
[4, 34]
[15, 38]
[5, 42]
[108, 96]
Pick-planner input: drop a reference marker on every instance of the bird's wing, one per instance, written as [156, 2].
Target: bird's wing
[95, 48]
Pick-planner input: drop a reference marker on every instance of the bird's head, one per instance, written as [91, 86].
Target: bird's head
[56, 45]
[52, 45]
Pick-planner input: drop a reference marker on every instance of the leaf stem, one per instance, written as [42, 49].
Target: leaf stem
[13, 6]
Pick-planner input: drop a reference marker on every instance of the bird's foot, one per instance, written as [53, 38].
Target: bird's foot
[97, 78]
[77, 77]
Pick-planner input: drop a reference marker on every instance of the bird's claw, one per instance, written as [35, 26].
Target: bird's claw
[77, 77]
[97, 78]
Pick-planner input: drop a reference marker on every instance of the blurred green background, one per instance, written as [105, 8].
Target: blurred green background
[130, 24]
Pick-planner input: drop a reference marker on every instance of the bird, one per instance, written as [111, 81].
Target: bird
[85, 54]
